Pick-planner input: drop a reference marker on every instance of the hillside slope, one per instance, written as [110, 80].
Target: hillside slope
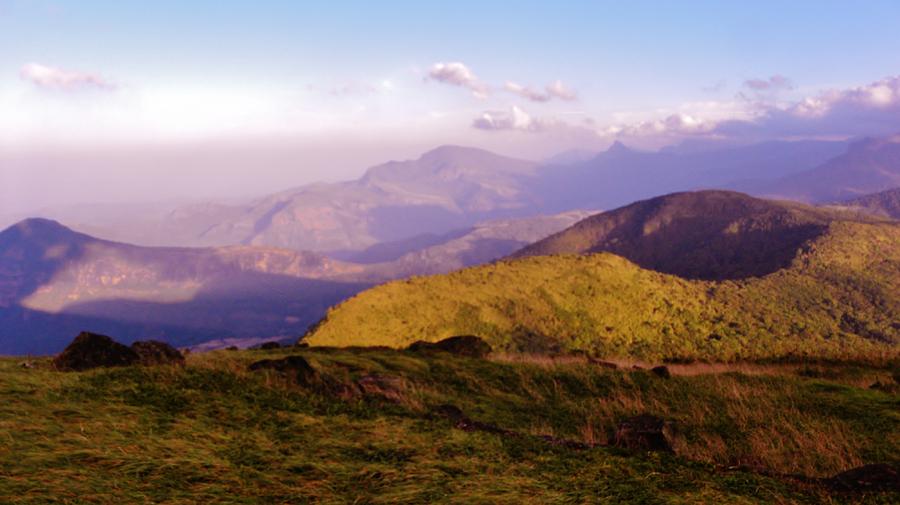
[53, 280]
[838, 298]
[869, 166]
[885, 203]
[482, 243]
[701, 235]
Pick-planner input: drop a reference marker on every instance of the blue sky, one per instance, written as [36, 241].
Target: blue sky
[300, 91]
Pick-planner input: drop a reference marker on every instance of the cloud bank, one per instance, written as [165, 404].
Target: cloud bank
[44, 76]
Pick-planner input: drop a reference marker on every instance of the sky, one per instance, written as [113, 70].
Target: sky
[141, 101]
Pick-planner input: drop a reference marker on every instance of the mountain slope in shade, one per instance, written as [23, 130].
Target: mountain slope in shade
[885, 203]
[836, 299]
[51, 276]
[869, 166]
[702, 235]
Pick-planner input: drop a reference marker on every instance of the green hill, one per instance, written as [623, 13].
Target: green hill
[837, 298]
[703, 234]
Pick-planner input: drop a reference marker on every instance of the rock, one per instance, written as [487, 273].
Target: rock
[462, 345]
[304, 373]
[879, 477]
[154, 352]
[643, 433]
[232, 348]
[448, 411]
[388, 387]
[270, 345]
[661, 371]
[91, 350]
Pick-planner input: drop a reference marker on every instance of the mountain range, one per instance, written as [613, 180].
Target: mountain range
[451, 188]
[272, 266]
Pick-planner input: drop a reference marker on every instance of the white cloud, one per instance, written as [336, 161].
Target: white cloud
[55, 78]
[678, 124]
[512, 119]
[559, 90]
[776, 82]
[871, 109]
[556, 89]
[458, 74]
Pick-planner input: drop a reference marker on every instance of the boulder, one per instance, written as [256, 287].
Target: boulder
[303, 373]
[92, 350]
[643, 433]
[462, 345]
[879, 477]
[661, 371]
[270, 345]
[154, 352]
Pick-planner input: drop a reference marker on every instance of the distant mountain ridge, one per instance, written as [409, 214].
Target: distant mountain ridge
[868, 166]
[453, 187]
[885, 203]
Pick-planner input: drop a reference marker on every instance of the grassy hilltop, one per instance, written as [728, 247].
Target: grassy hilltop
[836, 297]
[213, 432]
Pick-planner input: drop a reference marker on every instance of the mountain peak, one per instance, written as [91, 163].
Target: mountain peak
[618, 147]
[39, 230]
[38, 225]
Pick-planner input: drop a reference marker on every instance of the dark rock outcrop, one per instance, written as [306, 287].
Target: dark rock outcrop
[303, 373]
[92, 350]
[154, 352]
[643, 433]
[462, 345]
[270, 345]
[879, 477]
[661, 371]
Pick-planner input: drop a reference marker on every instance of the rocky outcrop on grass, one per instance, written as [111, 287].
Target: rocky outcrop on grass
[92, 350]
[462, 345]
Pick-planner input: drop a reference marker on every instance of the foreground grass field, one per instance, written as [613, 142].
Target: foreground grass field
[213, 432]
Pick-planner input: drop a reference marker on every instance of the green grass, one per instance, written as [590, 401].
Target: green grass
[837, 300]
[211, 432]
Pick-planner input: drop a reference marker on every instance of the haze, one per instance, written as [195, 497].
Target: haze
[113, 102]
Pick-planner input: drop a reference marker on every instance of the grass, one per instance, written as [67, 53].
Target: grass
[212, 432]
[837, 300]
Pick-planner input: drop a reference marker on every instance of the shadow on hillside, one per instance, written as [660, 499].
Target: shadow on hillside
[249, 305]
